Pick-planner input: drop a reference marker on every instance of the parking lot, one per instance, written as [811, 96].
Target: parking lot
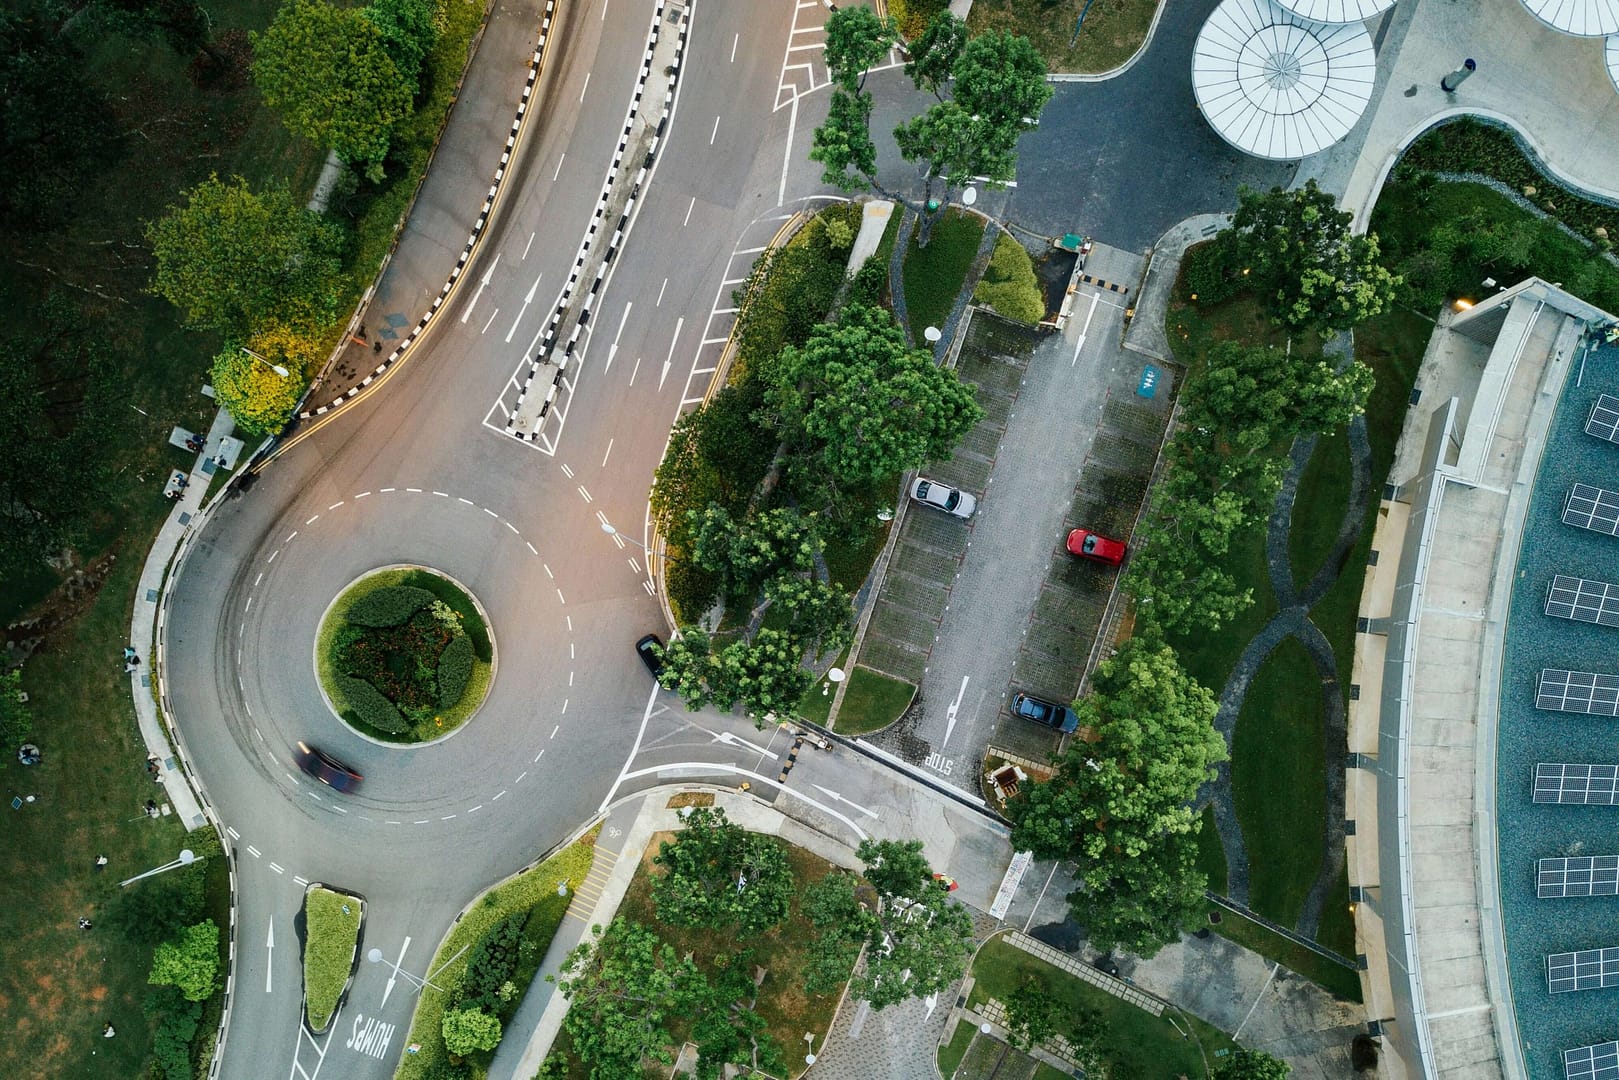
[973, 612]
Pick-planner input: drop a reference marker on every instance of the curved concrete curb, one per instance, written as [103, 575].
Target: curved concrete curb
[354, 958]
[1113, 73]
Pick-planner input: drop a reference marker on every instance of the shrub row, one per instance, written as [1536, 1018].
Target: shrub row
[388, 606]
[447, 591]
[370, 707]
[491, 964]
[330, 934]
[1009, 284]
[454, 670]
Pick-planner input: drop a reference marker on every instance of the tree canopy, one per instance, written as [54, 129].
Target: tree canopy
[232, 260]
[1245, 1064]
[190, 962]
[857, 39]
[408, 33]
[934, 52]
[621, 986]
[718, 875]
[468, 1031]
[246, 382]
[328, 72]
[918, 941]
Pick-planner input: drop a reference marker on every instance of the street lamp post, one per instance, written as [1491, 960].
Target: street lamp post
[187, 857]
[277, 368]
[610, 531]
[376, 957]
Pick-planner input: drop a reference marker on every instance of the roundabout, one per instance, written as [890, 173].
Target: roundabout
[404, 655]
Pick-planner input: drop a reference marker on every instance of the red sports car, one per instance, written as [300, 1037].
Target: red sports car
[1089, 545]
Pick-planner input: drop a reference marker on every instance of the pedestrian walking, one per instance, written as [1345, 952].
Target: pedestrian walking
[129, 652]
[101, 863]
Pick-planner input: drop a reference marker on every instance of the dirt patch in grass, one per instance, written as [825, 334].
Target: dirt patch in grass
[690, 798]
[1113, 31]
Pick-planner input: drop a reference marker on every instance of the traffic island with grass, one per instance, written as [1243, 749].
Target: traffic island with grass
[332, 921]
[405, 655]
[1074, 36]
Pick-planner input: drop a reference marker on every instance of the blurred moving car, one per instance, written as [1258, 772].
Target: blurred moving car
[1046, 713]
[327, 769]
[1089, 545]
[943, 497]
[650, 650]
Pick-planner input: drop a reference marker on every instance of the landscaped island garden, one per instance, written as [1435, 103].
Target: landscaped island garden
[404, 655]
[331, 934]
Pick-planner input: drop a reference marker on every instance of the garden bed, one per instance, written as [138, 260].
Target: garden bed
[1113, 31]
[872, 702]
[332, 923]
[404, 655]
[935, 274]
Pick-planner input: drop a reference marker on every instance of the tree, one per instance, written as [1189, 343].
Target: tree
[620, 987]
[327, 71]
[688, 667]
[1001, 79]
[16, 722]
[1033, 1015]
[748, 552]
[408, 33]
[1258, 396]
[844, 923]
[260, 400]
[765, 675]
[913, 948]
[190, 962]
[1009, 284]
[1298, 253]
[867, 405]
[468, 1031]
[933, 54]
[1245, 1064]
[232, 260]
[718, 875]
[843, 143]
[182, 25]
[857, 38]
[953, 145]
[726, 1029]
[54, 125]
[1114, 798]
[819, 613]
[1142, 903]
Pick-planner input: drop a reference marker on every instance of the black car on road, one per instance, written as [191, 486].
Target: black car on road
[327, 769]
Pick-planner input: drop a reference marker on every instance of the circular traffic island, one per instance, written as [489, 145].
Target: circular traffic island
[405, 655]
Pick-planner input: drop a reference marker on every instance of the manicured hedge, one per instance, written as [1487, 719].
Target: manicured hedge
[454, 670]
[492, 961]
[388, 606]
[460, 602]
[330, 934]
[1009, 285]
[370, 707]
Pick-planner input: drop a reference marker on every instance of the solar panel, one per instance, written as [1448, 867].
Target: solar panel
[1584, 875]
[1583, 600]
[1592, 508]
[1588, 692]
[1576, 785]
[1604, 419]
[1588, 969]
[1599, 1062]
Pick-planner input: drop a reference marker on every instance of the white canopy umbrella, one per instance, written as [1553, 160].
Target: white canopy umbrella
[1610, 54]
[1336, 11]
[1582, 18]
[1278, 86]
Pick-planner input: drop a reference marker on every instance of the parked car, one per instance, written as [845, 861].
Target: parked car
[650, 650]
[1046, 713]
[327, 769]
[943, 497]
[1089, 545]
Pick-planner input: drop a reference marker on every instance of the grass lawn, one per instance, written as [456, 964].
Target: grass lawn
[1210, 855]
[331, 930]
[872, 701]
[1137, 1043]
[815, 705]
[950, 1053]
[788, 1011]
[526, 892]
[1278, 782]
[1114, 30]
[934, 274]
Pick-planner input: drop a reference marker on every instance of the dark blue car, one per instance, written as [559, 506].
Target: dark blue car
[1046, 713]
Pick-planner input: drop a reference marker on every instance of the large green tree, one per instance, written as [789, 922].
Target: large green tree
[408, 33]
[1258, 396]
[1245, 1064]
[190, 962]
[1298, 253]
[727, 1030]
[843, 144]
[864, 404]
[918, 941]
[469, 1031]
[934, 52]
[1143, 902]
[621, 986]
[328, 72]
[857, 38]
[843, 926]
[717, 875]
[232, 260]
[746, 553]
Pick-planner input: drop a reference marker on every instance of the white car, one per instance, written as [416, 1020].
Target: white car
[943, 497]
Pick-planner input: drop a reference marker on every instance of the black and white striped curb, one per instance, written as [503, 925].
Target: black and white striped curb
[548, 338]
[535, 66]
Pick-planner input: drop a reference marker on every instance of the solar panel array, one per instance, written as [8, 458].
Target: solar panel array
[1588, 969]
[1583, 875]
[1594, 508]
[1598, 1062]
[1604, 419]
[1577, 785]
[1588, 692]
[1583, 600]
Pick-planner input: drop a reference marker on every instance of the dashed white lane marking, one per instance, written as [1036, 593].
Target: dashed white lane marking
[258, 579]
[273, 554]
[689, 209]
[253, 851]
[491, 513]
[385, 491]
[560, 598]
[497, 797]
[547, 568]
[520, 776]
[567, 471]
[335, 505]
[585, 87]
[414, 491]
[475, 809]
[584, 494]
[531, 548]
[665, 285]
[541, 754]
[555, 730]
[277, 867]
[300, 881]
[512, 527]
[564, 711]
[715, 133]
[570, 678]
[234, 835]
[442, 494]
[362, 494]
[459, 499]
[420, 821]
[558, 173]
[312, 520]
[446, 817]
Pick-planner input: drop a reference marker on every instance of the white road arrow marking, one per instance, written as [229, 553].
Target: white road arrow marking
[931, 1001]
[527, 300]
[482, 285]
[1085, 329]
[612, 350]
[731, 740]
[950, 713]
[269, 947]
[393, 974]
[835, 797]
[678, 324]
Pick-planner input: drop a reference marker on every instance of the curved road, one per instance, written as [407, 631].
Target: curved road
[409, 474]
